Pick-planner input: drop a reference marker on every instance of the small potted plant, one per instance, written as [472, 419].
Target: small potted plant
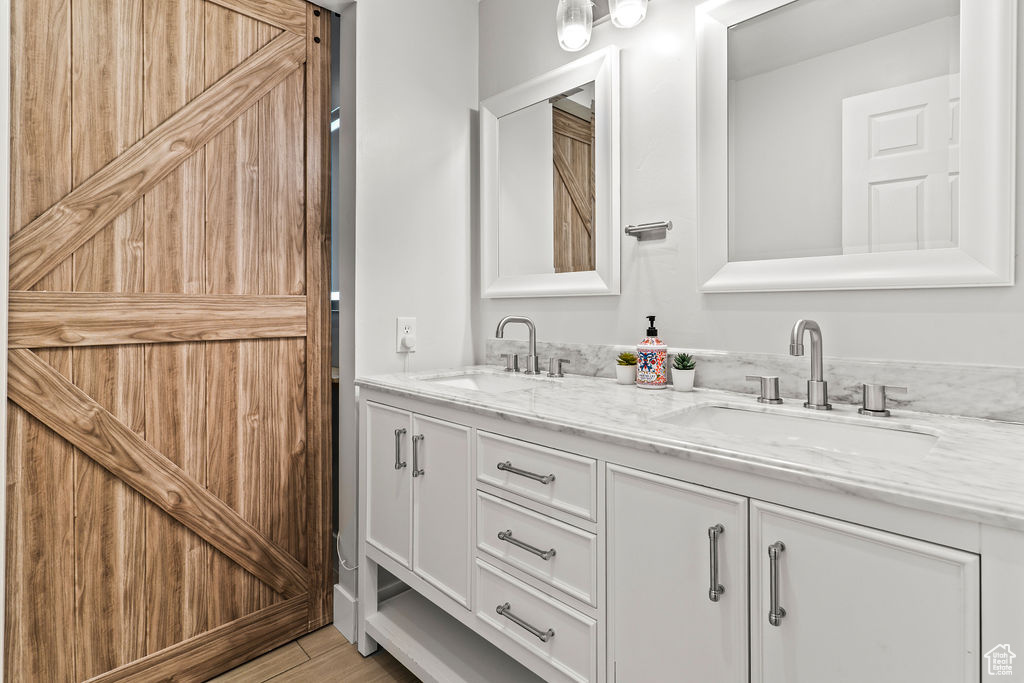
[682, 372]
[625, 368]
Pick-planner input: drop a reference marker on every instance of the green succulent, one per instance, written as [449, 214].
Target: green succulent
[626, 358]
[684, 361]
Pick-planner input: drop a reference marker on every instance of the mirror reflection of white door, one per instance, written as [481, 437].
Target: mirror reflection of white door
[901, 167]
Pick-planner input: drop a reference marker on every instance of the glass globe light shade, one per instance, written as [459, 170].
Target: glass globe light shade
[575, 19]
[627, 13]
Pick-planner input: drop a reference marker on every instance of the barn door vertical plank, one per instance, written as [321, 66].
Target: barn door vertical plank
[106, 105]
[318, 283]
[39, 634]
[232, 212]
[177, 561]
[282, 230]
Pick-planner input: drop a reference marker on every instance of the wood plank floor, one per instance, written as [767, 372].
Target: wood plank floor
[323, 655]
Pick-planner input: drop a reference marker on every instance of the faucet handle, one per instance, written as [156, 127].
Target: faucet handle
[769, 388]
[874, 398]
[555, 366]
[511, 362]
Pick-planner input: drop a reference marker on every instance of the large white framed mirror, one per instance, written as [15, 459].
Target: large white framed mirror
[855, 144]
[550, 183]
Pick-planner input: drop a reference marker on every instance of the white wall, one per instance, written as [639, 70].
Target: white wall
[343, 218]
[414, 149]
[416, 103]
[517, 42]
[526, 203]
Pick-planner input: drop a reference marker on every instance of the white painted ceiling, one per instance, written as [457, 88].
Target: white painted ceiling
[333, 5]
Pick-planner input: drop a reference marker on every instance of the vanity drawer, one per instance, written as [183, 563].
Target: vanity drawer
[569, 481]
[564, 638]
[571, 568]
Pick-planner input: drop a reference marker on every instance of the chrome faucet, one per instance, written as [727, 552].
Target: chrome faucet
[532, 362]
[817, 387]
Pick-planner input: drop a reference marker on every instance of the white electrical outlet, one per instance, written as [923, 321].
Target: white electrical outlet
[405, 335]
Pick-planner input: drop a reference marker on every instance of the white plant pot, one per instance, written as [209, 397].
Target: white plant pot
[682, 380]
[625, 374]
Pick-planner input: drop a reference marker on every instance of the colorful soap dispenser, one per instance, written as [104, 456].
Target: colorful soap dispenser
[651, 360]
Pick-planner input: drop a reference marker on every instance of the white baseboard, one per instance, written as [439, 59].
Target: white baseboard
[345, 604]
[345, 612]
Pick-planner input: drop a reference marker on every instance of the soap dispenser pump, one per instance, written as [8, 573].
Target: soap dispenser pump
[651, 360]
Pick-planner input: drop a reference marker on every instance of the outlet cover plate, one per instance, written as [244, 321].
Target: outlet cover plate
[405, 329]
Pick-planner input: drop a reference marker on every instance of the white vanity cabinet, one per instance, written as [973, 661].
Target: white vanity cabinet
[560, 480]
[665, 539]
[418, 496]
[535, 553]
[852, 603]
[560, 557]
[860, 604]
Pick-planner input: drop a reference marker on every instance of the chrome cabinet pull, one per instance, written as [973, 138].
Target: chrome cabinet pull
[542, 478]
[399, 464]
[716, 589]
[416, 470]
[505, 610]
[775, 611]
[542, 554]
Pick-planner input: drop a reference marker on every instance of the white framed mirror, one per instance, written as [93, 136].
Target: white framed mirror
[549, 183]
[855, 144]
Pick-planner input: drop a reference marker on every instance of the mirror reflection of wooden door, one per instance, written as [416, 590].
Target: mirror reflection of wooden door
[168, 465]
[573, 140]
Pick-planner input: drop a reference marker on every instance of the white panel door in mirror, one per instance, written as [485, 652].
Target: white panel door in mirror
[900, 167]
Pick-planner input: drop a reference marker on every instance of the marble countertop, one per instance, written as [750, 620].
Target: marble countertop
[974, 470]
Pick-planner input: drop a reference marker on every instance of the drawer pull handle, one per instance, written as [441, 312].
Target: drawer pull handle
[542, 478]
[716, 589]
[542, 554]
[416, 470]
[399, 464]
[506, 611]
[775, 611]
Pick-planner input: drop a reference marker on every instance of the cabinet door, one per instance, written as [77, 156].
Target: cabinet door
[663, 623]
[389, 488]
[441, 505]
[860, 604]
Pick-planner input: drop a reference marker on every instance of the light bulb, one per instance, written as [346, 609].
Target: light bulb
[574, 37]
[627, 13]
[574, 19]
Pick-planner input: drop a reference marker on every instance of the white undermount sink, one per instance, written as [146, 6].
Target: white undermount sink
[813, 432]
[485, 381]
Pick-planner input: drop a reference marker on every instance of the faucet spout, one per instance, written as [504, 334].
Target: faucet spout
[532, 362]
[796, 345]
[817, 387]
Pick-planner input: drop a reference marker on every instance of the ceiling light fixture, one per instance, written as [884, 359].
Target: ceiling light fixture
[575, 19]
[627, 13]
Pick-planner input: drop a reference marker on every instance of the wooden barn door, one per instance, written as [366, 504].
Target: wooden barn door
[573, 154]
[168, 456]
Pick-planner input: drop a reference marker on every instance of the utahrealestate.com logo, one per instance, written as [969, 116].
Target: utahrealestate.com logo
[1000, 660]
